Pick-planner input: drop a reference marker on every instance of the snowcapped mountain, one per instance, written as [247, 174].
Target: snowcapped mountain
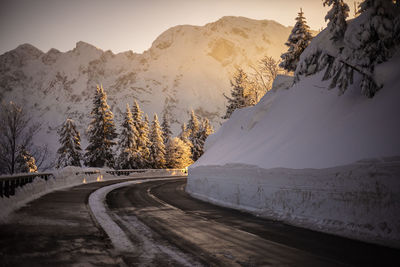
[187, 67]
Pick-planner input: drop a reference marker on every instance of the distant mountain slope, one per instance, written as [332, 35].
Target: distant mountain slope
[186, 67]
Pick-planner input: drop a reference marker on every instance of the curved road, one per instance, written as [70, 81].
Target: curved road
[225, 237]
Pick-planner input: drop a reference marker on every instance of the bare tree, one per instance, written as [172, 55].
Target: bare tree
[17, 132]
[264, 73]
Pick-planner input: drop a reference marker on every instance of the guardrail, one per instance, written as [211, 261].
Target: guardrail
[8, 184]
[127, 172]
[88, 172]
[124, 172]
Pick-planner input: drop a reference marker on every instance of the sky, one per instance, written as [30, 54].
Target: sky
[122, 25]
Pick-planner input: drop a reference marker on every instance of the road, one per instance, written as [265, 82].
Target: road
[224, 237]
[167, 228]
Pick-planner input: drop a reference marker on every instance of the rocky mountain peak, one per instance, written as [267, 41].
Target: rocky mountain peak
[83, 47]
[20, 55]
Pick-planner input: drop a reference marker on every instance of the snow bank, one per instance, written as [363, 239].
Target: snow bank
[260, 160]
[310, 126]
[360, 201]
[64, 178]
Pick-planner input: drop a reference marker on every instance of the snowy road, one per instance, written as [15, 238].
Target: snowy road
[225, 237]
[166, 227]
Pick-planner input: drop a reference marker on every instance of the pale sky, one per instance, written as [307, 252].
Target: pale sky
[121, 25]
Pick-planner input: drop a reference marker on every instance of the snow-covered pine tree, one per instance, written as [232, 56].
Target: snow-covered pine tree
[372, 41]
[101, 133]
[157, 147]
[184, 135]
[205, 131]
[337, 18]
[70, 152]
[239, 97]
[194, 131]
[25, 162]
[127, 143]
[137, 114]
[166, 128]
[144, 143]
[298, 40]
[178, 153]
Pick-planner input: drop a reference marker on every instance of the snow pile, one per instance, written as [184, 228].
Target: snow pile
[65, 178]
[310, 126]
[257, 159]
[359, 200]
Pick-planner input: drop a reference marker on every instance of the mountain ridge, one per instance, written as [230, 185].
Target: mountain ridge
[187, 67]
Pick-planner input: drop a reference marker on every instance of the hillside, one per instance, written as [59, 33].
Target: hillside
[187, 67]
[312, 155]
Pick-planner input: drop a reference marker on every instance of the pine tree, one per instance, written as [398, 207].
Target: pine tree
[240, 98]
[298, 40]
[178, 154]
[25, 162]
[205, 131]
[142, 138]
[372, 42]
[337, 18]
[166, 128]
[375, 37]
[144, 148]
[70, 152]
[101, 132]
[157, 147]
[127, 143]
[184, 135]
[193, 129]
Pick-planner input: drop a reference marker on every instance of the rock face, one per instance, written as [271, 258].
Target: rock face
[187, 67]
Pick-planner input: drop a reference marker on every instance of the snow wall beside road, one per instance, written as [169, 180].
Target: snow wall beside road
[359, 201]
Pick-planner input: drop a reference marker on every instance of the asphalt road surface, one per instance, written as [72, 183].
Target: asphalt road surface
[167, 228]
[224, 237]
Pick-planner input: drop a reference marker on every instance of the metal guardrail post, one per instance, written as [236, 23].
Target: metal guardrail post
[8, 184]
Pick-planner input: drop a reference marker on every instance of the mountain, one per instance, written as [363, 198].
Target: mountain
[187, 67]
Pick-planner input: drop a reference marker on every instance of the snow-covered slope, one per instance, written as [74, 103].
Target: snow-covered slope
[187, 67]
[313, 157]
[310, 126]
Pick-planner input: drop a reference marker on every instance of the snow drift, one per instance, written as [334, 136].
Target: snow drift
[291, 157]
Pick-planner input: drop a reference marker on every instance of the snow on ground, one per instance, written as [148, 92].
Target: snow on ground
[119, 238]
[65, 178]
[359, 200]
[260, 160]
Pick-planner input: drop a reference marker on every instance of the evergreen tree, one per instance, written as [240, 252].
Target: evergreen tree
[375, 38]
[372, 42]
[178, 154]
[157, 147]
[142, 137]
[25, 162]
[101, 132]
[240, 98]
[184, 135]
[144, 133]
[298, 40]
[205, 131]
[337, 18]
[166, 128]
[127, 143]
[193, 129]
[70, 152]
